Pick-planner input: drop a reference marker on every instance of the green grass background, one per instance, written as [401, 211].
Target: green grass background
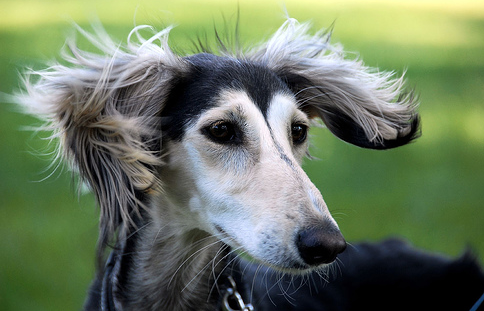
[430, 192]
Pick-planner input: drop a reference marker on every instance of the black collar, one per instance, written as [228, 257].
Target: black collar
[108, 302]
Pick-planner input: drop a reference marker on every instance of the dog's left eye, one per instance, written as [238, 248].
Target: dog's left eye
[299, 132]
[222, 132]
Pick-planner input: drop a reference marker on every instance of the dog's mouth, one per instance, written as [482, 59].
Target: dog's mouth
[296, 268]
[289, 264]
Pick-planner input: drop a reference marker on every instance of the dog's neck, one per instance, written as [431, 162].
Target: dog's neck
[164, 268]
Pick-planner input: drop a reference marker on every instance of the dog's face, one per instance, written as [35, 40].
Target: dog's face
[234, 156]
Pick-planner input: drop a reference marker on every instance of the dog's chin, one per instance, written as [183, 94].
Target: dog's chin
[293, 268]
[287, 266]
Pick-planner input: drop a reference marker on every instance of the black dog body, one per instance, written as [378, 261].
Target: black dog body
[389, 275]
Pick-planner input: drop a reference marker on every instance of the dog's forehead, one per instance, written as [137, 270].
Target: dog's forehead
[222, 73]
[212, 76]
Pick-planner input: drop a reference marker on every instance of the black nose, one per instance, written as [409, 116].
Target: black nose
[319, 245]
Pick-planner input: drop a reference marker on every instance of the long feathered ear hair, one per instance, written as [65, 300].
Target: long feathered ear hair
[105, 110]
[358, 104]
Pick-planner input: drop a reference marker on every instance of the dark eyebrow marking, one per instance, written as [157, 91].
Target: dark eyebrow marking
[282, 154]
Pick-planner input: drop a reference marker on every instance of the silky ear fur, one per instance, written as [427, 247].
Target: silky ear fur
[105, 109]
[358, 104]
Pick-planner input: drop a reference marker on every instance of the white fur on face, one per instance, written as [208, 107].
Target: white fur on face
[254, 196]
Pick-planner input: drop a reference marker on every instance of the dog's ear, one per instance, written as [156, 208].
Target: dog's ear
[105, 109]
[358, 104]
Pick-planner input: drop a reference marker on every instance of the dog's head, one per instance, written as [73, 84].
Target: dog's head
[220, 138]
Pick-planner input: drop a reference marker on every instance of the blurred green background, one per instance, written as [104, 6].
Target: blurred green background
[430, 192]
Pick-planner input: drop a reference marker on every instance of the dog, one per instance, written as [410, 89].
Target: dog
[195, 162]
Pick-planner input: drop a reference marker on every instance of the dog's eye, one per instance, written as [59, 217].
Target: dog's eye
[222, 132]
[299, 132]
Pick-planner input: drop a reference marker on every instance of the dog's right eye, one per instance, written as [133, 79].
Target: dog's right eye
[222, 132]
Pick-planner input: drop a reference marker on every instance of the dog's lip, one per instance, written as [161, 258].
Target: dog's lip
[222, 232]
[226, 238]
[293, 267]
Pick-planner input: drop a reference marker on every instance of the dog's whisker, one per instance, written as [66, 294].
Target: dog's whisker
[157, 234]
[190, 258]
[285, 290]
[269, 287]
[210, 263]
[227, 264]
[197, 275]
[254, 278]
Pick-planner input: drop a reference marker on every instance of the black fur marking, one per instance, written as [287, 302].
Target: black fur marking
[389, 275]
[282, 154]
[347, 130]
[339, 123]
[210, 75]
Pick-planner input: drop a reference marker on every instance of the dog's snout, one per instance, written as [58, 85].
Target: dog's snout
[320, 245]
